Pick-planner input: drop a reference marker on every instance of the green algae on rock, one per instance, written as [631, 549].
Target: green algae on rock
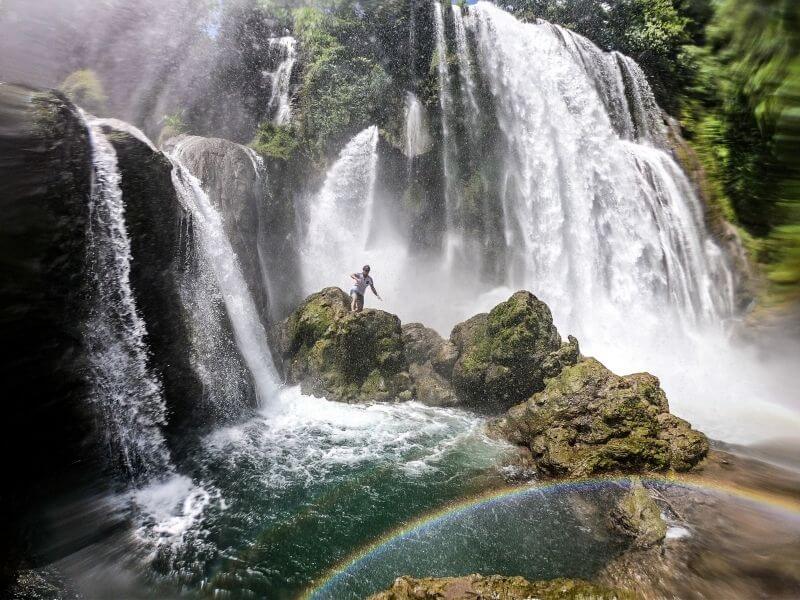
[638, 517]
[588, 420]
[505, 355]
[497, 587]
[349, 357]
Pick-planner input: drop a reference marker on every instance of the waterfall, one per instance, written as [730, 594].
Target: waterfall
[279, 104]
[619, 81]
[598, 225]
[251, 339]
[445, 106]
[340, 215]
[465, 72]
[417, 137]
[125, 392]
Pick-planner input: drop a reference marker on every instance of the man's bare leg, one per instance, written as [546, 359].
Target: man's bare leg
[353, 302]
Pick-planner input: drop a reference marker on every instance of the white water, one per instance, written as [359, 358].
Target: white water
[251, 339]
[608, 231]
[466, 77]
[599, 222]
[310, 440]
[124, 391]
[418, 140]
[453, 238]
[280, 103]
[340, 216]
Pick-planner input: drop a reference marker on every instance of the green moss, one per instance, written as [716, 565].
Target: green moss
[588, 420]
[275, 141]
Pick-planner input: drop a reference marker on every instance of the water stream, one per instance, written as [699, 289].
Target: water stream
[126, 394]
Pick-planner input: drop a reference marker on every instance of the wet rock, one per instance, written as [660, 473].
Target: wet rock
[638, 517]
[428, 356]
[45, 180]
[589, 420]
[350, 357]
[232, 179]
[421, 343]
[505, 355]
[497, 587]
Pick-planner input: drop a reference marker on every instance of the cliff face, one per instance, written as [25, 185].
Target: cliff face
[45, 177]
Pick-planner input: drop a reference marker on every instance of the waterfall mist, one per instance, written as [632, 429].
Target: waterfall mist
[598, 220]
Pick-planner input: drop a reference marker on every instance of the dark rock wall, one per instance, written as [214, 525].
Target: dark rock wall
[53, 448]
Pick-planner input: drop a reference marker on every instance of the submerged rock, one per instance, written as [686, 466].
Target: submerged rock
[345, 356]
[497, 587]
[638, 517]
[505, 355]
[589, 420]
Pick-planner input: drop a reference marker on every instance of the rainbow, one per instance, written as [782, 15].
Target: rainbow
[461, 507]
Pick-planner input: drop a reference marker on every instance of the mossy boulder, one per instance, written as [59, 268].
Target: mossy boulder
[638, 517]
[345, 356]
[505, 355]
[589, 420]
[497, 587]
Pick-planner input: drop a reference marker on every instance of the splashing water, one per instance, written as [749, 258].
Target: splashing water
[125, 392]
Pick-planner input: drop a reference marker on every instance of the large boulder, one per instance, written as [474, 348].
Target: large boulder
[504, 356]
[345, 356]
[235, 183]
[589, 420]
[498, 587]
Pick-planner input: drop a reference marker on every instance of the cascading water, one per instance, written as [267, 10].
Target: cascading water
[453, 238]
[251, 339]
[417, 138]
[600, 223]
[470, 104]
[340, 215]
[280, 104]
[125, 392]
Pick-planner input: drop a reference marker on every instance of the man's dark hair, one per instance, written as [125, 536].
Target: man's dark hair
[365, 268]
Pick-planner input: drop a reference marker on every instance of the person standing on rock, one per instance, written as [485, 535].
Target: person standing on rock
[362, 280]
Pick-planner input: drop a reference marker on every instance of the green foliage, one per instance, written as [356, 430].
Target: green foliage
[84, 88]
[275, 141]
[343, 86]
[741, 113]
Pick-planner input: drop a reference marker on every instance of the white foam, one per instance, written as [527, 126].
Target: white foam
[169, 508]
[304, 440]
[677, 532]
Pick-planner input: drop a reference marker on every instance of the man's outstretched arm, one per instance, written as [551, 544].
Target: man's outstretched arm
[374, 291]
